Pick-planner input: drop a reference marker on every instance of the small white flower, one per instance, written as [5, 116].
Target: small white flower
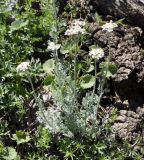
[96, 53]
[52, 46]
[76, 28]
[109, 26]
[23, 66]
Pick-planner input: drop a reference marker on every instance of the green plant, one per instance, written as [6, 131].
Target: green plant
[45, 48]
[43, 138]
[71, 118]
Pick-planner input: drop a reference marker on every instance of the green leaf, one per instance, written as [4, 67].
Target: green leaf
[112, 68]
[108, 69]
[11, 154]
[120, 21]
[100, 147]
[88, 81]
[68, 46]
[49, 79]
[69, 154]
[1, 147]
[90, 69]
[99, 19]
[21, 137]
[49, 66]
[18, 24]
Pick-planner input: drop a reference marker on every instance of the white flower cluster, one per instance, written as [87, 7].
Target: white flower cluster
[23, 66]
[109, 26]
[52, 46]
[96, 53]
[76, 27]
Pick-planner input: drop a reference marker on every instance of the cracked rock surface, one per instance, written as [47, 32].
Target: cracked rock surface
[126, 49]
[127, 52]
[128, 124]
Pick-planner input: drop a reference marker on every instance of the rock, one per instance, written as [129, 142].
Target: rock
[127, 124]
[128, 54]
[131, 10]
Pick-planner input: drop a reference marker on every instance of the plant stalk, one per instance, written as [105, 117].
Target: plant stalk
[94, 88]
[104, 76]
[75, 76]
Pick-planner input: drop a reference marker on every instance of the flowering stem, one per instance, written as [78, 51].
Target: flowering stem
[38, 100]
[56, 39]
[109, 45]
[57, 63]
[75, 75]
[75, 70]
[94, 88]
[104, 76]
[100, 95]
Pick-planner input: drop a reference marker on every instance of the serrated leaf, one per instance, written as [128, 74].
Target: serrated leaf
[49, 66]
[100, 148]
[21, 137]
[88, 81]
[18, 24]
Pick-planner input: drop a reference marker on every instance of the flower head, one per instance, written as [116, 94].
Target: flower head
[109, 26]
[52, 46]
[96, 53]
[76, 28]
[23, 66]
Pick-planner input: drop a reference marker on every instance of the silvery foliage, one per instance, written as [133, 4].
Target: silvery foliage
[63, 96]
[89, 102]
[65, 117]
[50, 117]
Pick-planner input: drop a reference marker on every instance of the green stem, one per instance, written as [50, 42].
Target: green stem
[100, 96]
[109, 45]
[94, 88]
[75, 76]
[38, 100]
[104, 76]
[75, 70]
